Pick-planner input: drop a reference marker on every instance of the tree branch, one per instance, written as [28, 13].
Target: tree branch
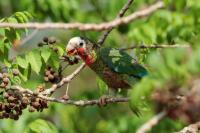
[121, 14]
[152, 122]
[193, 128]
[157, 46]
[70, 102]
[83, 27]
[88, 102]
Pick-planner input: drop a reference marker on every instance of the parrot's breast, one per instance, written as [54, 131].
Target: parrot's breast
[112, 79]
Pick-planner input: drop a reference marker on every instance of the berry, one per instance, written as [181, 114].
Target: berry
[5, 95]
[40, 88]
[46, 39]
[55, 50]
[52, 40]
[51, 77]
[16, 108]
[5, 75]
[19, 112]
[36, 105]
[2, 85]
[5, 115]
[1, 106]
[31, 109]
[10, 92]
[15, 72]
[46, 79]
[65, 97]
[11, 99]
[7, 109]
[44, 104]
[40, 44]
[5, 80]
[12, 105]
[47, 72]
[15, 117]
[25, 100]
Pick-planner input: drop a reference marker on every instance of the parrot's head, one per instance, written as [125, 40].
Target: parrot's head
[81, 47]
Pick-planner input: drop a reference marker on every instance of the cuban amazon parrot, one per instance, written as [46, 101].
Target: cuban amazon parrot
[115, 67]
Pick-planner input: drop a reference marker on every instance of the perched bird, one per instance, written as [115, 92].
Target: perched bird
[115, 67]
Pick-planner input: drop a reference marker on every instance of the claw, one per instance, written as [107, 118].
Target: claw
[65, 97]
[103, 100]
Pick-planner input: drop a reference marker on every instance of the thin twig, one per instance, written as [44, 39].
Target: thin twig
[121, 14]
[152, 122]
[156, 46]
[66, 92]
[193, 128]
[91, 26]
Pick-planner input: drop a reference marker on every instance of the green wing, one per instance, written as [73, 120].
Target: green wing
[121, 62]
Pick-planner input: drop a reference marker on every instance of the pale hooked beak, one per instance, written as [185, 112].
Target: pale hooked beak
[71, 51]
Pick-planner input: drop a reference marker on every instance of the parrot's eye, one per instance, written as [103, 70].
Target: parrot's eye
[81, 44]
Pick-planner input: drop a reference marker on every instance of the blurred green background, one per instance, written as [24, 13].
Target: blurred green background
[177, 23]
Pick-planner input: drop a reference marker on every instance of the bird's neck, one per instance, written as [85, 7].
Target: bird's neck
[88, 57]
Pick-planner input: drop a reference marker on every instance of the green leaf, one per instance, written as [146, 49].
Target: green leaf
[16, 80]
[60, 50]
[1, 45]
[4, 51]
[12, 20]
[29, 15]
[102, 86]
[22, 62]
[54, 61]
[45, 53]
[7, 63]
[21, 17]
[35, 60]
[12, 34]
[41, 126]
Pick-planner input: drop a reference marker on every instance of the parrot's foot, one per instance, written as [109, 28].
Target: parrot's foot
[103, 100]
[65, 97]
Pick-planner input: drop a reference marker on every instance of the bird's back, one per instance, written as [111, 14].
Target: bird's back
[111, 78]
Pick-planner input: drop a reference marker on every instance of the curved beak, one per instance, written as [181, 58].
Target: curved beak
[71, 51]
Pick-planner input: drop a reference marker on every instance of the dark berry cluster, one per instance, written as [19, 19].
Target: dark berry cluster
[51, 76]
[37, 104]
[4, 80]
[14, 102]
[49, 42]
[12, 105]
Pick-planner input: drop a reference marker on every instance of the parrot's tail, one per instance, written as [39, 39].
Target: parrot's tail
[140, 71]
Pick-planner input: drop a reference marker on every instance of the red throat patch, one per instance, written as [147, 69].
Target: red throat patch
[88, 59]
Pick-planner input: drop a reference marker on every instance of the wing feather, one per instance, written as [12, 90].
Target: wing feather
[121, 62]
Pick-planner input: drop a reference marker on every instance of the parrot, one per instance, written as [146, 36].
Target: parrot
[115, 67]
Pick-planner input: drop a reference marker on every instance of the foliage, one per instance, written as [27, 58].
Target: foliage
[178, 23]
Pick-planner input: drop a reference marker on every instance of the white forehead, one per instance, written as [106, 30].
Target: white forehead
[75, 40]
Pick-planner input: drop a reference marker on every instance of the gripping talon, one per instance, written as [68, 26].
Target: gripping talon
[103, 101]
[65, 97]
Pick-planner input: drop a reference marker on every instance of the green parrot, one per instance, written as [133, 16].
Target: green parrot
[115, 67]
